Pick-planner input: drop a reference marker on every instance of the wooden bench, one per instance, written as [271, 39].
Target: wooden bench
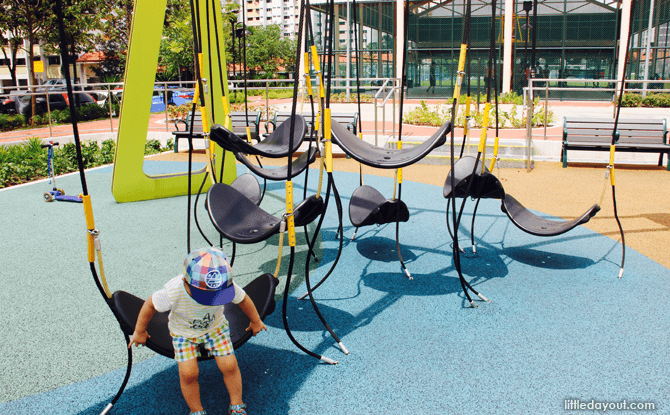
[350, 120]
[237, 117]
[635, 135]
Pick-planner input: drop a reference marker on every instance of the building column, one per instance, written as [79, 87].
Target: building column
[648, 52]
[399, 37]
[623, 39]
[508, 45]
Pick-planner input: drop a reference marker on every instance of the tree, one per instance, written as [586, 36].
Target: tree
[269, 51]
[114, 39]
[82, 18]
[9, 26]
[176, 50]
[28, 20]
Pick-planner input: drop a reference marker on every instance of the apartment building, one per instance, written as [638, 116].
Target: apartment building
[284, 13]
[46, 66]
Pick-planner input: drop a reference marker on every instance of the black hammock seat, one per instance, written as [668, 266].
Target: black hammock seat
[276, 145]
[384, 158]
[280, 173]
[367, 205]
[127, 308]
[487, 186]
[240, 220]
[248, 185]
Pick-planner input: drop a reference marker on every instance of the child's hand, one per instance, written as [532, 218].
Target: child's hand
[139, 338]
[256, 327]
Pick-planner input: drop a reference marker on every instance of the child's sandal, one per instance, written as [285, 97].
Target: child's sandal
[198, 413]
[237, 409]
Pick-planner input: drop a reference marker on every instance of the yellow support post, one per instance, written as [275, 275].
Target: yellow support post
[329, 146]
[317, 69]
[290, 222]
[611, 166]
[308, 80]
[90, 225]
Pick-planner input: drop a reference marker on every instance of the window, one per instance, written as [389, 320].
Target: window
[269, 18]
[21, 61]
[54, 60]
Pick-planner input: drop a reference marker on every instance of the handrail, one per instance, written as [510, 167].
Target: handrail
[391, 93]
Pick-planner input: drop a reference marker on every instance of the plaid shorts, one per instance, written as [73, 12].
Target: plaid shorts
[217, 342]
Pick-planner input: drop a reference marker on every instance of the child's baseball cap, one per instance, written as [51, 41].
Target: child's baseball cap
[209, 276]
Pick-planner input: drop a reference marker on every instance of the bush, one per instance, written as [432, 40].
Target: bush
[107, 152]
[511, 98]
[630, 99]
[92, 112]
[656, 101]
[423, 115]
[28, 161]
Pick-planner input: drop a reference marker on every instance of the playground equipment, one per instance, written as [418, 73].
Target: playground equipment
[55, 193]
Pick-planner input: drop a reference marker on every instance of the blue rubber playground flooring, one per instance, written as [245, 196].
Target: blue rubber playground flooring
[561, 325]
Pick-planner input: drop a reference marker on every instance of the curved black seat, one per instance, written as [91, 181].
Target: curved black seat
[280, 173]
[384, 158]
[237, 218]
[308, 210]
[248, 185]
[530, 223]
[368, 207]
[486, 186]
[127, 308]
[275, 145]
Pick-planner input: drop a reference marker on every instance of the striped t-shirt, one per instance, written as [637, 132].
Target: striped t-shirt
[187, 317]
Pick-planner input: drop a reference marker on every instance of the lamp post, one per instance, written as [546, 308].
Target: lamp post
[233, 23]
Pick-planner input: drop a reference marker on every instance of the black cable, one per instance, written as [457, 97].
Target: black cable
[615, 136]
[405, 41]
[311, 295]
[65, 69]
[195, 209]
[284, 313]
[338, 203]
[209, 64]
[468, 74]
[331, 37]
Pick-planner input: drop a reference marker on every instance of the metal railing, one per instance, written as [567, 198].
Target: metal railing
[383, 89]
[385, 92]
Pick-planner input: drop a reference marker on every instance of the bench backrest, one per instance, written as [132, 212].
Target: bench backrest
[238, 118]
[346, 118]
[631, 131]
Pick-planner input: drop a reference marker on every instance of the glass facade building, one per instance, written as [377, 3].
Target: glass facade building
[576, 40]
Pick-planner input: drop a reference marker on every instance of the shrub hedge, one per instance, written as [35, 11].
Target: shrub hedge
[26, 162]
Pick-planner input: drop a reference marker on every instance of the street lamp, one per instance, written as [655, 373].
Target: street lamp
[241, 34]
[233, 23]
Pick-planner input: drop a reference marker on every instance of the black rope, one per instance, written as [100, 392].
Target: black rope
[209, 64]
[65, 59]
[615, 133]
[405, 41]
[284, 311]
[468, 74]
[340, 230]
[65, 69]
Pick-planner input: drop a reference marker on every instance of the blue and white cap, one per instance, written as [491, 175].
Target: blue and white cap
[209, 276]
